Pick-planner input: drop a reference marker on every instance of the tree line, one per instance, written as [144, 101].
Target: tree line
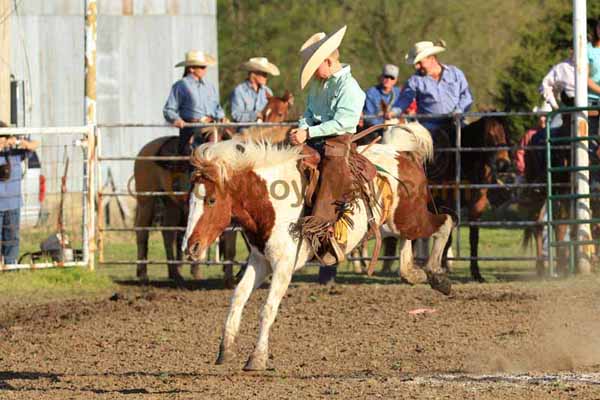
[505, 47]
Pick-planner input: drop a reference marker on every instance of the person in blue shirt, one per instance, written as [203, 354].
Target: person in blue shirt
[193, 99]
[250, 97]
[386, 91]
[438, 88]
[12, 152]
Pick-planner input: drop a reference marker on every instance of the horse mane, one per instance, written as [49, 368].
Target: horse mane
[412, 137]
[231, 156]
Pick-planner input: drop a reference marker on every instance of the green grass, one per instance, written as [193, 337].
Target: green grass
[73, 282]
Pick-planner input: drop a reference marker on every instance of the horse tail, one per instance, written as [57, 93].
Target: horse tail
[131, 179]
[418, 140]
[527, 237]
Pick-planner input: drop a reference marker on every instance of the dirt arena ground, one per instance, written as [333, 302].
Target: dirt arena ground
[492, 341]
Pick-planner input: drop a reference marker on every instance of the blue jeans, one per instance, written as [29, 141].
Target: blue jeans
[9, 234]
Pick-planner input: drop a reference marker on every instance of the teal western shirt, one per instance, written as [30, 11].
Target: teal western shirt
[333, 107]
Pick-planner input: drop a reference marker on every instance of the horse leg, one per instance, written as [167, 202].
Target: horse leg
[144, 213]
[474, 215]
[389, 250]
[362, 251]
[438, 279]
[540, 264]
[227, 244]
[255, 274]
[474, 242]
[562, 258]
[282, 275]
[408, 271]
[172, 217]
[447, 253]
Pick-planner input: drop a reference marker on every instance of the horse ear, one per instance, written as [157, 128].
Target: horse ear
[269, 95]
[288, 98]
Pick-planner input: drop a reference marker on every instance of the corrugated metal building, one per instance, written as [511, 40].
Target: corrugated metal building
[138, 43]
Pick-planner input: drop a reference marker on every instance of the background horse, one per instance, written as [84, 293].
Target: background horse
[238, 181]
[156, 176]
[534, 201]
[476, 168]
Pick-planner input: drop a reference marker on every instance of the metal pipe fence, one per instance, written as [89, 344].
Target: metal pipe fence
[457, 186]
[53, 229]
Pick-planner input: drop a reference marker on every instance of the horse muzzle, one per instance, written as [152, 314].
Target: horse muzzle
[196, 252]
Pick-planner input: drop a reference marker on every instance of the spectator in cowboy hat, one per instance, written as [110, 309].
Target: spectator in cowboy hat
[193, 99]
[438, 88]
[250, 97]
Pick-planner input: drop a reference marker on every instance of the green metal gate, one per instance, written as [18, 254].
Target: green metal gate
[573, 243]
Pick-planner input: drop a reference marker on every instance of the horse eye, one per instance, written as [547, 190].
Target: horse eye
[211, 201]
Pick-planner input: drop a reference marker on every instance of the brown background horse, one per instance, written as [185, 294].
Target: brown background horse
[153, 176]
[476, 168]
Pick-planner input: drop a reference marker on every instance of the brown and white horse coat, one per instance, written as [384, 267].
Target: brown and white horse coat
[259, 185]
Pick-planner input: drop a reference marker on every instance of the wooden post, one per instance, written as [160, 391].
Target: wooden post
[90, 199]
[89, 233]
[5, 10]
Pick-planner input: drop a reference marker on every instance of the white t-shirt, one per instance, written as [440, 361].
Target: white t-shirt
[560, 78]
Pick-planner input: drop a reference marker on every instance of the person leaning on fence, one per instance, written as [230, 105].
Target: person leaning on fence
[12, 152]
[333, 107]
[381, 102]
[526, 140]
[560, 78]
[193, 99]
[250, 97]
[438, 89]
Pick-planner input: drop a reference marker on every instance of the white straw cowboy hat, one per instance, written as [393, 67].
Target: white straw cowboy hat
[424, 49]
[260, 64]
[315, 50]
[195, 58]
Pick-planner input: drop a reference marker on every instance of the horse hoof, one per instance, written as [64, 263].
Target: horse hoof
[479, 279]
[177, 279]
[256, 364]
[413, 275]
[224, 357]
[441, 283]
[229, 284]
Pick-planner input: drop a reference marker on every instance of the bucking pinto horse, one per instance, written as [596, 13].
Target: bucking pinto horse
[260, 186]
[156, 176]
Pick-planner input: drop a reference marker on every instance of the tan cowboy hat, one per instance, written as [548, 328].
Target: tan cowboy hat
[195, 58]
[424, 49]
[315, 50]
[261, 64]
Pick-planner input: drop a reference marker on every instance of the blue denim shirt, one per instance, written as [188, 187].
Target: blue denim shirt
[192, 99]
[10, 190]
[450, 94]
[375, 95]
[333, 107]
[247, 102]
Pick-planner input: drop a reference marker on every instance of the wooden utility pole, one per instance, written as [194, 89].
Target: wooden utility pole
[5, 11]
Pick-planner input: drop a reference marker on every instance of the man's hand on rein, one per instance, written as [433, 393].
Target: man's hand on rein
[298, 136]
